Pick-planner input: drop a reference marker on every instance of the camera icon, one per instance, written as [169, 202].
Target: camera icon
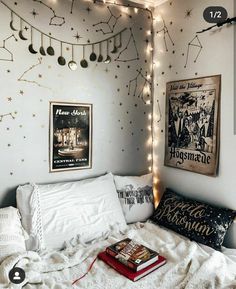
[17, 275]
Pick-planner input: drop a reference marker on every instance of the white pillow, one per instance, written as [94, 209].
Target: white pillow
[12, 235]
[136, 197]
[59, 212]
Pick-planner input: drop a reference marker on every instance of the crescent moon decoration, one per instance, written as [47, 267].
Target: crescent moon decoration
[22, 37]
[11, 23]
[31, 48]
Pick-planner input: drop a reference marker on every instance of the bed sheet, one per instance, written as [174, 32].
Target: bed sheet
[189, 265]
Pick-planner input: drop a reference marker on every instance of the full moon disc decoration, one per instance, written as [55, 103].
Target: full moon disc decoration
[72, 64]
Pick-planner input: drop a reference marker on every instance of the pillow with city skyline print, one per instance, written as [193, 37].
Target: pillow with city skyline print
[136, 197]
[200, 222]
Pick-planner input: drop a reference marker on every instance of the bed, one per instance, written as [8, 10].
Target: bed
[190, 265]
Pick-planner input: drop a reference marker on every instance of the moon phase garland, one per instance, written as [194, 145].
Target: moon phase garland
[130, 42]
[50, 49]
[7, 114]
[3, 47]
[195, 42]
[108, 23]
[54, 18]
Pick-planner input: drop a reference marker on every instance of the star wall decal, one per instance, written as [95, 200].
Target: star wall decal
[188, 13]
[9, 99]
[88, 9]
[21, 92]
[34, 13]
[77, 37]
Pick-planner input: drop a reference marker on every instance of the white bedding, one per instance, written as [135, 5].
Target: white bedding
[189, 265]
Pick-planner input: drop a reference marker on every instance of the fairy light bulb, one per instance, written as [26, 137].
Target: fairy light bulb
[136, 10]
[149, 157]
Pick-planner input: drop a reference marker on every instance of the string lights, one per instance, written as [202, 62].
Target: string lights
[148, 90]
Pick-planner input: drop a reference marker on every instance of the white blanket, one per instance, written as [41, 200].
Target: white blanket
[189, 265]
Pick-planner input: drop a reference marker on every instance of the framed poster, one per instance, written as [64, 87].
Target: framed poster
[70, 136]
[192, 124]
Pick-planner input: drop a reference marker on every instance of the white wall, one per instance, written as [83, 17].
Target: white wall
[217, 57]
[119, 120]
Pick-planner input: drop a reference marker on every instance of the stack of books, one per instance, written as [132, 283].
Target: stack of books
[131, 259]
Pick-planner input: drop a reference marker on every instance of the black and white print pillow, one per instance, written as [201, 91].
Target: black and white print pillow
[136, 197]
[198, 221]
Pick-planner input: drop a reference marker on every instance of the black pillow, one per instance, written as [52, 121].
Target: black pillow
[198, 221]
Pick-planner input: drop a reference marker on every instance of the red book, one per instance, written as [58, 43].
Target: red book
[132, 254]
[130, 274]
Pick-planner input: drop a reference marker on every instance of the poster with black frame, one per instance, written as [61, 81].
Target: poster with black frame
[192, 124]
[70, 136]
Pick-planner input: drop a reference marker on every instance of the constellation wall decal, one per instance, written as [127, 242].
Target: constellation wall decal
[108, 26]
[2, 116]
[72, 6]
[54, 20]
[166, 32]
[131, 42]
[32, 67]
[9, 56]
[195, 42]
[145, 92]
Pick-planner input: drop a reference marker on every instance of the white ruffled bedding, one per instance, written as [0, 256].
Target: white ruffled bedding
[189, 265]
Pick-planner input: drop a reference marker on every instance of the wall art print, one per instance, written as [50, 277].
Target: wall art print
[192, 124]
[70, 136]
